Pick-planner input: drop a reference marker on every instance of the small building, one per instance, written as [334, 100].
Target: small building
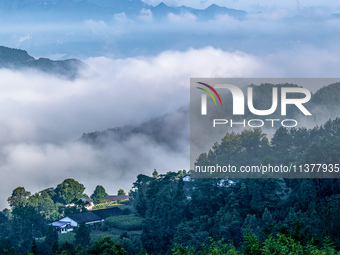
[69, 223]
[187, 178]
[62, 226]
[88, 203]
[93, 219]
[115, 198]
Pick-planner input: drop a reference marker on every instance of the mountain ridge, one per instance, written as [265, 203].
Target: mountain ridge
[104, 9]
[169, 129]
[17, 59]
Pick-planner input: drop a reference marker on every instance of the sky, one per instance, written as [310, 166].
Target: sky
[140, 69]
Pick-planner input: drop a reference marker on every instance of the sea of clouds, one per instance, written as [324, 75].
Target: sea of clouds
[138, 70]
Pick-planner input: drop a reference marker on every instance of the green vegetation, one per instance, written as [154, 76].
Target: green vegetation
[67, 237]
[69, 191]
[121, 192]
[104, 205]
[82, 236]
[125, 222]
[20, 59]
[280, 212]
[204, 216]
[280, 245]
[123, 204]
[99, 195]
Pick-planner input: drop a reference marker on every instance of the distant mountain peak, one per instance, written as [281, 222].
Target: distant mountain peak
[12, 56]
[19, 59]
[99, 9]
[161, 4]
[213, 5]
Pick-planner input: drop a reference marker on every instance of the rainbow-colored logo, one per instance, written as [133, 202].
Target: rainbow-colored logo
[209, 93]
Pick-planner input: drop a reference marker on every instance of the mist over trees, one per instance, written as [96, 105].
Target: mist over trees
[288, 146]
[239, 213]
[201, 216]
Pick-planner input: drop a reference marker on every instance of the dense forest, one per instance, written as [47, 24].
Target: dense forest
[200, 216]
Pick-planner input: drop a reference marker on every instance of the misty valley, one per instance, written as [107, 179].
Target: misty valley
[99, 138]
[176, 213]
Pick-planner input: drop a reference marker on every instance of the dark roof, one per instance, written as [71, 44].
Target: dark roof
[116, 198]
[84, 217]
[104, 213]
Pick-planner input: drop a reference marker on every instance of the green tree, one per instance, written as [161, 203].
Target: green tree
[66, 249]
[267, 221]
[25, 221]
[19, 197]
[51, 236]
[6, 247]
[99, 195]
[42, 202]
[80, 250]
[155, 174]
[68, 191]
[121, 192]
[55, 248]
[105, 246]
[34, 248]
[82, 236]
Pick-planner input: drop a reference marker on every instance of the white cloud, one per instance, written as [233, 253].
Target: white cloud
[145, 15]
[96, 26]
[25, 38]
[42, 116]
[184, 17]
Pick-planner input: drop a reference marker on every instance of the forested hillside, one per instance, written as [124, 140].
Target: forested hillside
[20, 59]
[189, 214]
[172, 129]
[320, 144]
[199, 216]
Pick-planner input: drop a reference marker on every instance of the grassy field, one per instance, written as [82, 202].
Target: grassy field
[67, 237]
[125, 222]
[95, 236]
[115, 227]
[124, 204]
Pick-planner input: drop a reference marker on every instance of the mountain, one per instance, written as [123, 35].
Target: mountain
[162, 10]
[172, 129]
[169, 130]
[37, 10]
[213, 10]
[20, 59]
[328, 96]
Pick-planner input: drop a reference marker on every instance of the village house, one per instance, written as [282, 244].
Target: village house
[115, 198]
[69, 223]
[93, 219]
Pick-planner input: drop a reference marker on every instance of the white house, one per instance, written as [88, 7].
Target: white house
[187, 178]
[62, 226]
[67, 224]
